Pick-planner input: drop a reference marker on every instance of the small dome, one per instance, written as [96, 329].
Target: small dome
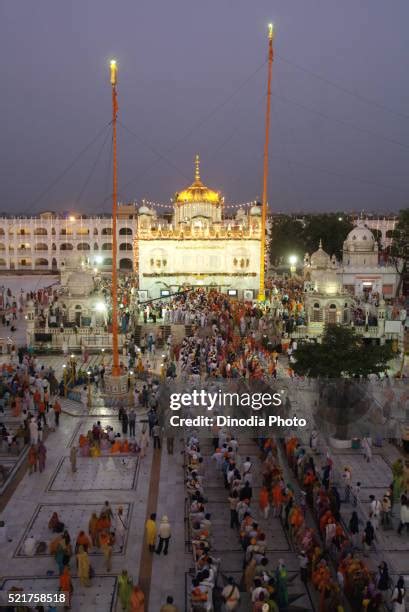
[255, 210]
[360, 238]
[328, 282]
[80, 284]
[241, 212]
[144, 210]
[320, 259]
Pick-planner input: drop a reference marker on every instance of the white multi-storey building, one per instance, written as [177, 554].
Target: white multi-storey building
[42, 243]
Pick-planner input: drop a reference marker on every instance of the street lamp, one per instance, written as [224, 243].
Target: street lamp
[293, 264]
[64, 370]
[89, 389]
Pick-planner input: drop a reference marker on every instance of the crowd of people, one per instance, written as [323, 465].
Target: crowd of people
[206, 566]
[331, 552]
[341, 543]
[103, 440]
[28, 397]
[105, 532]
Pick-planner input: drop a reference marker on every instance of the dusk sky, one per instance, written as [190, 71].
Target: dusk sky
[192, 80]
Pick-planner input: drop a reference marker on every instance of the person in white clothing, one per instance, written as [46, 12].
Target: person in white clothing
[366, 447]
[120, 528]
[398, 596]
[375, 508]
[247, 469]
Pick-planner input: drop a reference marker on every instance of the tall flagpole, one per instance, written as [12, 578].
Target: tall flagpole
[115, 354]
[261, 293]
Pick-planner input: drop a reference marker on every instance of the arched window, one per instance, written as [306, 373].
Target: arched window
[66, 246]
[125, 246]
[316, 314]
[125, 264]
[107, 261]
[107, 246]
[95, 231]
[83, 246]
[41, 246]
[1, 231]
[332, 313]
[2, 263]
[40, 231]
[107, 231]
[96, 246]
[125, 231]
[2, 247]
[54, 247]
[24, 263]
[53, 231]
[41, 262]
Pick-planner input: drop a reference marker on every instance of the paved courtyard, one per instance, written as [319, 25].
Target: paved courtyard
[95, 474]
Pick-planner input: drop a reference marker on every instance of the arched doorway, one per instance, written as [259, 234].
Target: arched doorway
[125, 264]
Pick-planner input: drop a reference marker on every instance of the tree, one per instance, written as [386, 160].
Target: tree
[331, 228]
[286, 239]
[341, 354]
[399, 249]
[341, 363]
[290, 236]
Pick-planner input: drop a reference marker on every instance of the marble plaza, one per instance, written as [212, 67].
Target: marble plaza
[95, 474]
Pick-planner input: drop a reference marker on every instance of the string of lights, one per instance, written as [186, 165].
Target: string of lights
[170, 205]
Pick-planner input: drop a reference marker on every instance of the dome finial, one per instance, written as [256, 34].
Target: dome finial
[320, 244]
[197, 170]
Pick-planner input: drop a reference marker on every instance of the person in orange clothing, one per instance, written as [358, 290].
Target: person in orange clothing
[125, 447]
[37, 398]
[41, 410]
[137, 600]
[296, 520]
[103, 523]
[264, 502]
[326, 518]
[57, 412]
[277, 493]
[66, 586]
[83, 440]
[116, 447]
[106, 541]
[82, 540]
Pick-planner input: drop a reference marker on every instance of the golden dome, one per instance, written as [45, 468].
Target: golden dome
[197, 192]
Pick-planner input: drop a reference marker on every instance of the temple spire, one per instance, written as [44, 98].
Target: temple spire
[197, 168]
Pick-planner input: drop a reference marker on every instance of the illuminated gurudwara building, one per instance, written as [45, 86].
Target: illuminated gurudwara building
[199, 246]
